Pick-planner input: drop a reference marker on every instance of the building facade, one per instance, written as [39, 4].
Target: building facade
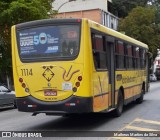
[96, 10]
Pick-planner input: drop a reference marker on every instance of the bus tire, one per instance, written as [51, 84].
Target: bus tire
[140, 99]
[119, 109]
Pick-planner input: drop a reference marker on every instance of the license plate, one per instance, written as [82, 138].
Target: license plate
[50, 93]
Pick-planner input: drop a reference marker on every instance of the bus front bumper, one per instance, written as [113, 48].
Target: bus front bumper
[73, 104]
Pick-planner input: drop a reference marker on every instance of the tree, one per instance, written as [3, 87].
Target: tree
[14, 12]
[123, 7]
[140, 24]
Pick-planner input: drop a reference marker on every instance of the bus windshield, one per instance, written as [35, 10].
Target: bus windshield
[57, 42]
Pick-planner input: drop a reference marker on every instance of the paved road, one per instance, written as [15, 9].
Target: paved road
[136, 117]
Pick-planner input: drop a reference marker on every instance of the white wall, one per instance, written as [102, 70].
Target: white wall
[79, 5]
[107, 18]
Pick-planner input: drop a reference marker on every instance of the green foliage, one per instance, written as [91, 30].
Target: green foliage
[140, 24]
[14, 12]
[123, 7]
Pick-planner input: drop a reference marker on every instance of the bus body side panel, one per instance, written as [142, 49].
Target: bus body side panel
[132, 82]
[16, 61]
[100, 84]
[100, 91]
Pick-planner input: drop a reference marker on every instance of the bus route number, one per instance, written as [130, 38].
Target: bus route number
[26, 72]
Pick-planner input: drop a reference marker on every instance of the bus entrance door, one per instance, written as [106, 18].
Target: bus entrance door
[111, 72]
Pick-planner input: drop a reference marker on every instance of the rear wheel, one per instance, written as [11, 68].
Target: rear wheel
[140, 99]
[118, 111]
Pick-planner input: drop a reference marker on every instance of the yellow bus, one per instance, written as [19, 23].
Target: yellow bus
[72, 66]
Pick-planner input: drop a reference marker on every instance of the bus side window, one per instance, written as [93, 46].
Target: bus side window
[99, 51]
[136, 53]
[96, 60]
[120, 55]
[129, 56]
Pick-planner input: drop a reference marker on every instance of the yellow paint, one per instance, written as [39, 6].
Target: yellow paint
[130, 126]
[100, 103]
[140, 128]
[131, 82]
[135, 128]
[147, 121]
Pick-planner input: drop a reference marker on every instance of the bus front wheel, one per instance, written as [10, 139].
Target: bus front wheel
[118, 111]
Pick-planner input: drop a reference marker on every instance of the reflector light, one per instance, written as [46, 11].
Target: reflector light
[77, 84]
[23, 85]
[32, 105]
[77, 101]
[78, 20]
[20, 80]
[70, 104]
[80, 78]
[24, 102]
[67, 104]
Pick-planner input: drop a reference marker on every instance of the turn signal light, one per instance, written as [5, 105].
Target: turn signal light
[20, 80]
[77, 84]
[80, 78]
[23, 85]
[78, 20]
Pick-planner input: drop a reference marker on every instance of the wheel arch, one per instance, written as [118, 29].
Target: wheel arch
[122, 90]
[144, 86]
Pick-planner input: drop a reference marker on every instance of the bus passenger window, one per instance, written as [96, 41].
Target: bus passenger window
[136, 58]
[129, 56]
[120, 61]
[143, 57]
[99, 51]
[96, 60]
